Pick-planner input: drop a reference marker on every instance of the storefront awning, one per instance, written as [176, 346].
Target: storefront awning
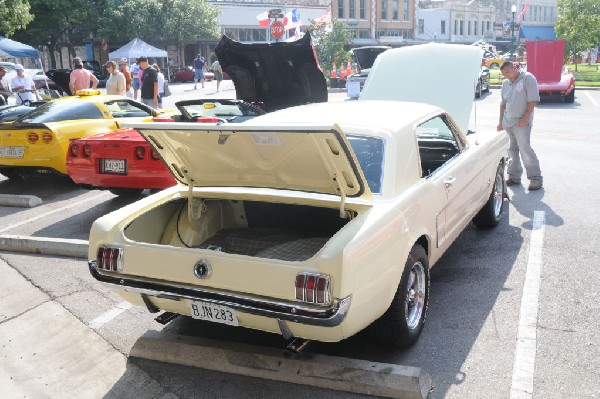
[537, 33]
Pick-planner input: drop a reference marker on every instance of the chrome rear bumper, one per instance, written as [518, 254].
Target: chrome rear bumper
[329, 316]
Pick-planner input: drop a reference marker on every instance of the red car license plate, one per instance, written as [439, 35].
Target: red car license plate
[115, 166]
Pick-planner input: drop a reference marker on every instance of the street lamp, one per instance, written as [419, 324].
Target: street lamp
[513, 9]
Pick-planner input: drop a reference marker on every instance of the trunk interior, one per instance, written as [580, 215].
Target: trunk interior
[262, 229]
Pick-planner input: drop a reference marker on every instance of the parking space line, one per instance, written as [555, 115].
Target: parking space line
[525, 352]
[52, 212]
[108, 316]
[587, 93]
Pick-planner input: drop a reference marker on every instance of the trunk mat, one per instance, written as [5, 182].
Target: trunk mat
[266, 243]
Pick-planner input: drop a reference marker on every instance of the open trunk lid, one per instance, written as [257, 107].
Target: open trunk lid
[315, 159]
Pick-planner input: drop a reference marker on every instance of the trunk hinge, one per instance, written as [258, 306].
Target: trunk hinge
[338, 186]
[196, 206]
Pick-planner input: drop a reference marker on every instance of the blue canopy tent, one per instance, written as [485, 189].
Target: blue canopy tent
[16, 49]
[12, 48]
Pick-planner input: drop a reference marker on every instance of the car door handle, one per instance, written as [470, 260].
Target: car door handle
[449, 182]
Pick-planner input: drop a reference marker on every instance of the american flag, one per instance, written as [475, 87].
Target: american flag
[324, 19]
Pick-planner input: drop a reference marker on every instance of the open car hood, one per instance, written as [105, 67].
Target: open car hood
[280, 75]
[408, 74]
[365, 56]
[61, 77]
[312, 159]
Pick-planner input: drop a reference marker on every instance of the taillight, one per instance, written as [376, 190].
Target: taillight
[33, 137]
[207, 119]
[47, 137]
[313, 288]
[74, 150]
[110, 259]
[140, 152]
[154, 154]
[87, 150]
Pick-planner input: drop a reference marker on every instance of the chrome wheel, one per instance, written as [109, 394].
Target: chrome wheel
[498, 194]
[415, 295]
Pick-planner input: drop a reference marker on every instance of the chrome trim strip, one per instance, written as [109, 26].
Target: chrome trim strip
[329, 316]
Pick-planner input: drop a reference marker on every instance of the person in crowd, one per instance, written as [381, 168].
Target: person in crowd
[115, 85]
[124, 69]
[4, 86]
[161, 84]
[199, 66]
[218, 71]
[136, 78]
[149, 83]
[80, 77]
[23, 85]
[520, 95]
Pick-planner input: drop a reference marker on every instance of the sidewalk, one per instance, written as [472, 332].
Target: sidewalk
[46, 352]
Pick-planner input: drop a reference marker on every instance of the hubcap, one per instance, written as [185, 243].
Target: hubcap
[498, 194]
[415, 295]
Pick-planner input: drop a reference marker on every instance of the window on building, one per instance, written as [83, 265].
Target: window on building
[443, 27]
[421, 26]
[364, 33]
[488, 26]
[232, 33]
[395, 10]
[469, 28]
[394, 32]
[405, 13]
[341, 9]
[384, 9]
[483, 27]
[361, 10]
[461, 29]
[379, 33]
[351, 9]
[259, 35]
[456, 27]
[407, 33]
[475, 25]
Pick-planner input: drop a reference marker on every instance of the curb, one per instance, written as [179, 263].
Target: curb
[46, 246]
[330, 372]
[21, 201]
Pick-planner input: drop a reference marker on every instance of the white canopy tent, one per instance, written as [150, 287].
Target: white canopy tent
[137, 48]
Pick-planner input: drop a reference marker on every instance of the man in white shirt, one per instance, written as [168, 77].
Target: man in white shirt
[23, 86]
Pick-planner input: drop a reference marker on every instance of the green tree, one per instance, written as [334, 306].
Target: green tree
[14, 15]
[579, 24]
[61, 23]
[329, 44]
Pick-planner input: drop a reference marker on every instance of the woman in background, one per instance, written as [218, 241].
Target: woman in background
[161, 85]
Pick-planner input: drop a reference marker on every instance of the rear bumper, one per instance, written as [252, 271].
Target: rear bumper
[296, 312]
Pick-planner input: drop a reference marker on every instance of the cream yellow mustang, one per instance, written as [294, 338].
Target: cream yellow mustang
[315, 221]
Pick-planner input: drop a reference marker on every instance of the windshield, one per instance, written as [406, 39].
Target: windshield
[61, 110]
[369, 152]
[229, 110]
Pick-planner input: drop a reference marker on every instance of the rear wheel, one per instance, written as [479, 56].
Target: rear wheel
[491, 213]
[126, 192]
[401, 325]
[569, 98]
[479, 90]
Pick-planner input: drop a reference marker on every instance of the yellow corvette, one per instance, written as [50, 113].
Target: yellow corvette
[38, 141]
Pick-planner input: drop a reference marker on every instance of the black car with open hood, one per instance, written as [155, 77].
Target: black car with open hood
[279, 75]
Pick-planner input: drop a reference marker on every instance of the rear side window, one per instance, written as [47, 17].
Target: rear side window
[125, 109]
[56, 111]
[369, 153]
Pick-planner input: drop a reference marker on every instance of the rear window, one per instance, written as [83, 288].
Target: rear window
[369, 153]
[62, 110]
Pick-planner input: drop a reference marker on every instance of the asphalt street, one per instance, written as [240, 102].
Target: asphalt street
[513, 312]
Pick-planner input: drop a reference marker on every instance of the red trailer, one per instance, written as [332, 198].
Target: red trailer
[545, 60]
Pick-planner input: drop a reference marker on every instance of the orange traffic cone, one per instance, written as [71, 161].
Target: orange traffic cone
[333, 71]
[348, 69]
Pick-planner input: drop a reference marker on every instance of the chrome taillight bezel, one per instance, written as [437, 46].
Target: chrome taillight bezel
[109, 259]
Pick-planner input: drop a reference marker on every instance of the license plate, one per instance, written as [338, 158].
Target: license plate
[11, 152]
[118, 166]
[212, 312]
